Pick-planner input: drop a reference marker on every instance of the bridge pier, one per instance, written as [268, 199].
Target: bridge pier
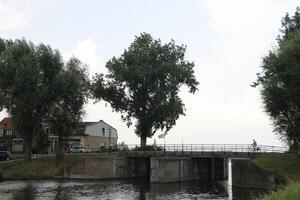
[138, 167]
[165, 170]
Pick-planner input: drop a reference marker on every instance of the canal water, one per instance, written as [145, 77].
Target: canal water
[127, 189]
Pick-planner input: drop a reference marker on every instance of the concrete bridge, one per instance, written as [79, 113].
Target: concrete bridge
[201, 150]
[178, 163]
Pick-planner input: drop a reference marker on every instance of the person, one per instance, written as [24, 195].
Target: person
[254, 145]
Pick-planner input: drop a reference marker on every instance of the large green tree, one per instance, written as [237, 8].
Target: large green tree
[72, 88]
[280, 82]
[144, 84]
[27, 77]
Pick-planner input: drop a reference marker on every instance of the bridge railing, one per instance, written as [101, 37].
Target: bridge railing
[209, 148]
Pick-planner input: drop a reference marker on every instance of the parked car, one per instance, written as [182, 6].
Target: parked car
[4, 155]
[77, 150]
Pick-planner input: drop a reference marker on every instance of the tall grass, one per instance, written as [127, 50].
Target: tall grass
[287, 171]
[290, 192]
[282, 164]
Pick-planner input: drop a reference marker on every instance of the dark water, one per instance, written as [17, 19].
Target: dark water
[117, 189]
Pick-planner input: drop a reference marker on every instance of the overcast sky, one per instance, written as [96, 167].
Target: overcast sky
[225, 39]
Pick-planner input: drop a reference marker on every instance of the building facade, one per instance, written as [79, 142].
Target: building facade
[93, 135]
[9, 140]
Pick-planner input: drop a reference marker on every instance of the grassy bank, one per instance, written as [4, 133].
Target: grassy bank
[44, 168]
[290, 192]
[287, 169]
[36, 169]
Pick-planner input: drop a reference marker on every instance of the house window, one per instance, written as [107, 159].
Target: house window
[103, 131]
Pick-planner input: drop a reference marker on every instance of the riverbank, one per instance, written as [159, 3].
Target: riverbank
[287, 170]
[42, 168]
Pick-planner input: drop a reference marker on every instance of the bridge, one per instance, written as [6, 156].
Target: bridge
[185, 162]
[201, 150]
[180, 162]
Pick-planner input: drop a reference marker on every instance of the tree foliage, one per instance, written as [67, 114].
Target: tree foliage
[144, 84]
[280, 82]
[37, 88]
[27, 75]
[72, 89]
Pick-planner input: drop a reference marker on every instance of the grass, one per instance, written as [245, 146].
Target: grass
[287, 166]
[287, 171]
[44, 168]
[290, 192]
[16, 156]
[36, 169]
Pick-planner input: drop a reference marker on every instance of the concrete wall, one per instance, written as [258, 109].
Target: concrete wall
[157, 169]
[106, 168]
[203, 168]
[97, 168]
[246, 173]
[166, 170]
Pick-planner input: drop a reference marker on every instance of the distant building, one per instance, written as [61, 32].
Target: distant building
[93, 135]
[9, 140]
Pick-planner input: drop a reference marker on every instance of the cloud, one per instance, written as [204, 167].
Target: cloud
[246, 25]
[17, 14]
[86, 51]
[242, 32]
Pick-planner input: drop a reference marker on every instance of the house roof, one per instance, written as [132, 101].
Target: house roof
[81, 126]
[101, 121]
[6, 123]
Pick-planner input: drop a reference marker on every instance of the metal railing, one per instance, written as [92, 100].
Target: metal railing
[208, 148]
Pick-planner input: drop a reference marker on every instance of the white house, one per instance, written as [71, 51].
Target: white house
[94, 135]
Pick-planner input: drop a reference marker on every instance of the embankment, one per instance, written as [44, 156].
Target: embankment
[287, 170]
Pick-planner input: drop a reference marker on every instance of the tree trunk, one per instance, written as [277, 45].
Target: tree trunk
[143, 142]
[295, 146]
[27, 148]
[60, 150]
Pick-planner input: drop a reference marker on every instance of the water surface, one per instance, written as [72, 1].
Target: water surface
[136, 189]
[118, 189]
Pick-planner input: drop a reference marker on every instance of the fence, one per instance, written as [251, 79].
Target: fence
[209, 148]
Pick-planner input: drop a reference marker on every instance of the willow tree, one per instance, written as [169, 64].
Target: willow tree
[72, 89]
[27, 77]
[280, 82]
[144, 84]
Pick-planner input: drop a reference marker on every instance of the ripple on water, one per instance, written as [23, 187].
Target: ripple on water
[105, 190]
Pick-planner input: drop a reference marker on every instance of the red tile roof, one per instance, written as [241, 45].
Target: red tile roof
[6, 123]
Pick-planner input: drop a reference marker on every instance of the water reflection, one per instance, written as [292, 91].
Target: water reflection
[122, 189]
[25, 193]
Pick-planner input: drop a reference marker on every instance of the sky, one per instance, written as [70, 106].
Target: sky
[226, 39]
